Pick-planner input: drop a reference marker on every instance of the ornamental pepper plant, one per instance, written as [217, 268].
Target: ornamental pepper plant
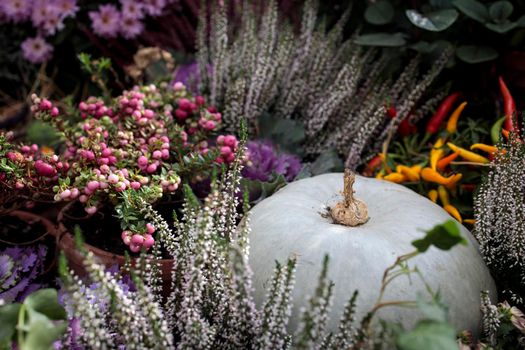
[147, 140]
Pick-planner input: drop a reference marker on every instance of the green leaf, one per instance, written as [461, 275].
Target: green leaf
[500, 11]
[287, 133]
[433, 310]
[501, 27]
[45, 301]
[473, 9]
[381, 39]
[426, 47]
[428, 335]
[379, 13]
[443, 236]
[42, 333]
[327, 161]
[433, 21]
[476, 54]
[8, 320]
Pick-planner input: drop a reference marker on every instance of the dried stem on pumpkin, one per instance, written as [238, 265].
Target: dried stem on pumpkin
[350, 211]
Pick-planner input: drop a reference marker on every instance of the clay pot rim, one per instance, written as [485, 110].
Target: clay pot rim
[28, 217]
[64, 234]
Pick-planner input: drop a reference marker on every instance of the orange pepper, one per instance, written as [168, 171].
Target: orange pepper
[452, 124]
[444, 162]
[467, 155]
[505, 133]
[453, 212]
[454, 179]
[443, 195]
[469, 221]
[433, 195]
[409, 173]
[431, 175]
[395, 177]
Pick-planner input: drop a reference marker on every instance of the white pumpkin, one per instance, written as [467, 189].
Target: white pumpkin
[290, 222]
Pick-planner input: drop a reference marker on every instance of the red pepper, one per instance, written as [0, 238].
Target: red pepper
[508, 106]
[442, 112]
[391, 111]
[372, 166]
[405, 128]
[468, 187]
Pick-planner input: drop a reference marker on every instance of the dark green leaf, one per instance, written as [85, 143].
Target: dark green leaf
[286, 133]
[473, 9]
[426, 47]
[327, 162]
[379, 13]
[441, 3]
[381, 39]
[428, 335]
[500, 11]
[501, 28]
[45, 301]
[443, 236]
[476, 54]
[433, 21]
[8, 320]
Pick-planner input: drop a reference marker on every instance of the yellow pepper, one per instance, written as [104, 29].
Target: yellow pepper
[409, 173]
[484, 147]
[395, 177]
[443, 195]
[436, 153]
[380, 174]
[469, 221]
[453, 211]
[416, 168]
[433, 195]
[467, 155]
[431, 175]
[452, 124]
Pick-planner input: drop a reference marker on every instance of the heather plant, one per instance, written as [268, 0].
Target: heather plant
[334, 87]
[210, 304]
[499, 211]
[144, 140]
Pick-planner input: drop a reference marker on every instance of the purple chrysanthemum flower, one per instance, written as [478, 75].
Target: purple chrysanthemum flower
[154, 7]
[106, 21]
[36, 50]
[264, 162]
[67, 8]
[16, 10]
[132, 9]
[131, 27]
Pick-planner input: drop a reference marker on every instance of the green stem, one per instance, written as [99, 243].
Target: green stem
[20, 326]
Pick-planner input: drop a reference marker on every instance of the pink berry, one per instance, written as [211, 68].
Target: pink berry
[152, 168]
[230, 141]
[74, 193]
[225, 150]
[83, 198]
[210, 125]
[148, 113]
[91, 210]
[178, 86]
[137, 239]
[199, 100]
[126, 237]
[185, 104]
[44, 169]
[220, 139]
[180, 114]
[165, 154]
[135, 248]
[142, 161]
[65, 194]
[150, 228]
[157, 154]
[93, 185]
[54, 112]
[135, 185]
[112, 179]
[149, 241]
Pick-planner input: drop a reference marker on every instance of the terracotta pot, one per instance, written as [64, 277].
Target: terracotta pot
[50, 228]
[75, 258]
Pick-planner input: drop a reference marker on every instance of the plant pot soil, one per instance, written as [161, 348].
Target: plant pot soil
[102, 237]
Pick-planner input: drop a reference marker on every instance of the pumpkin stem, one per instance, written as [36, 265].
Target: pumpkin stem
[350, 211]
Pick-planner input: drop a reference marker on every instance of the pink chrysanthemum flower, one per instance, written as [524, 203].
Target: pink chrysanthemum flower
[36, 50]
[132, 9]
[153, 7]
[131, 27]
[16, 10]
[106, 21]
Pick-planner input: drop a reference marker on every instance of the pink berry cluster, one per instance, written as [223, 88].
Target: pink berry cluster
[136, 241]
[134, 142]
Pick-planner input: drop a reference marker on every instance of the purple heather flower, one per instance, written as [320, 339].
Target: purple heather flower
[36, 50]
[131, 27]
[106, 21]
[153, 7]
[264, 162]
[16, 10]
[132, 9]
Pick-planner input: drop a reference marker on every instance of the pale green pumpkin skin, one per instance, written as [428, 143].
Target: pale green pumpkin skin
[290, 222]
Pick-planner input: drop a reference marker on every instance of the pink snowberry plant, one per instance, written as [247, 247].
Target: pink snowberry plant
[140, 143]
